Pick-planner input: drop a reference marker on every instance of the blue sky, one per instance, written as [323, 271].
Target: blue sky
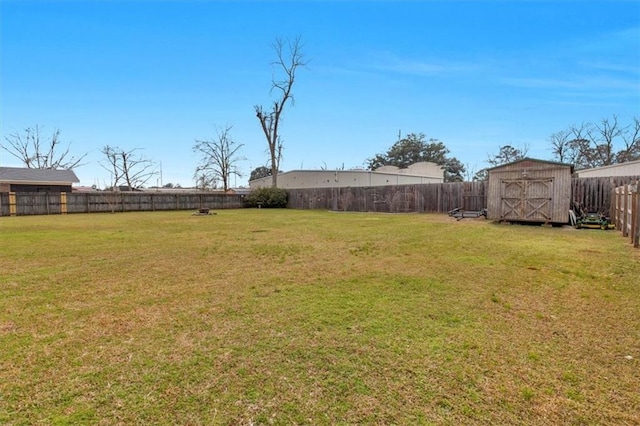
[157, 75]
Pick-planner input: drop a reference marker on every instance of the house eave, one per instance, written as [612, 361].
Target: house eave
[33, 182]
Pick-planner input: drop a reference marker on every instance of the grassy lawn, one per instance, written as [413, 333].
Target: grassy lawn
[307, 317]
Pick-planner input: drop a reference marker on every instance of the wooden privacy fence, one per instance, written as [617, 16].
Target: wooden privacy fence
[435, 197]
[39, 203]
[594, 194]
[626, 211]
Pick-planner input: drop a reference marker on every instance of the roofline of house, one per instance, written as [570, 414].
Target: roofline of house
[20, 176]
[389, 173]
[37, 182]
[610, 166]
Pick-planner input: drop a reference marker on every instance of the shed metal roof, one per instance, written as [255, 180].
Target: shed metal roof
[19, 175]
[535, 160]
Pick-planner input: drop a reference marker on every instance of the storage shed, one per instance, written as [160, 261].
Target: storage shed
[530, 190]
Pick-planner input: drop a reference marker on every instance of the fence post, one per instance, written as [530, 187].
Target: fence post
[625, 206]
[12, 204]
[636, 217]
[613, 213]
[63, 203]
[618, 208]
[615, 202]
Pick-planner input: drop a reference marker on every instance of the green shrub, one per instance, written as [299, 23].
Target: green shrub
[268, 198]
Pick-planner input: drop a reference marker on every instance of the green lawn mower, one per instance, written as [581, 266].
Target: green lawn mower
[593, 220]
[590, 218]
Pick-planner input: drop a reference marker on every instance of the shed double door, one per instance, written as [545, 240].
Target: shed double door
[526, 199]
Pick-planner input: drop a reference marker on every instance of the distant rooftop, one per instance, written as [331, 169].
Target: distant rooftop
[26, 175]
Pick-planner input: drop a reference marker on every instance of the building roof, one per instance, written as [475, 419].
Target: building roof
[354, 171]
[84, 189]
[18, 175]
[240, 191]
[629, 168]
[420, 169]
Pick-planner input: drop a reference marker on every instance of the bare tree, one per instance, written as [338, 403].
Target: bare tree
[561, 146]
[582, 153]
[603, 136]
[595, 145]
[127, 167]
[38, 152]
[289, 57]
[631, 140]
[112, 165]
[205, 182]
[580, 146]
[219, 159]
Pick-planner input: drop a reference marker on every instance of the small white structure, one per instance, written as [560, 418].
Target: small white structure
[630, 168]
[423, 172]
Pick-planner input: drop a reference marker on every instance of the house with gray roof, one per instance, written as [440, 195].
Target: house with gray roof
[17, 179]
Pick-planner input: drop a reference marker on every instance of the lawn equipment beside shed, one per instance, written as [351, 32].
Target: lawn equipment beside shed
[460, 214]
[594, 220]
[591, 220]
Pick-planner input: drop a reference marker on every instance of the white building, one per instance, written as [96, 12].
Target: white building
[423, 172]
[630, 168]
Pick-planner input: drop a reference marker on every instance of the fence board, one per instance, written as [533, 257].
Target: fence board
[4, 204]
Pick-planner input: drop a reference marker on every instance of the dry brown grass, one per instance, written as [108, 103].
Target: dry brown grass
[302, 317]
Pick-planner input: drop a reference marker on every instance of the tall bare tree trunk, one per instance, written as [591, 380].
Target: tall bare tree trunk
[289, 58]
